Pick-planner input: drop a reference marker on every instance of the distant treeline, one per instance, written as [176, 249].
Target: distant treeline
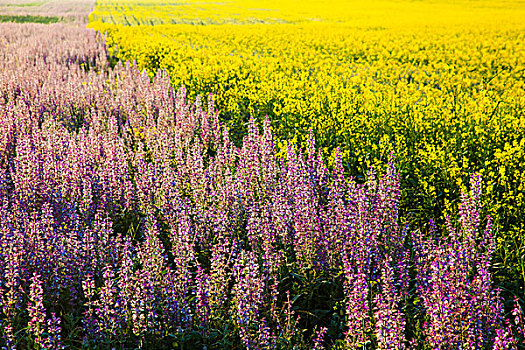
[29, 19]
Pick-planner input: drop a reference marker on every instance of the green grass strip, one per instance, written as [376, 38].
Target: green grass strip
[29, 19]
[27, 4]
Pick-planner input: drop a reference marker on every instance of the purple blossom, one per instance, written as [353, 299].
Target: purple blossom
[54, 340]
[319, 338]
[389, 319]
[37, 311]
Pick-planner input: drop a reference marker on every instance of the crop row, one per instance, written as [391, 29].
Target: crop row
[28, 19]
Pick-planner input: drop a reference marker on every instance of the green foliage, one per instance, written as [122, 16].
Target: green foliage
[29, 19]
[26, 4]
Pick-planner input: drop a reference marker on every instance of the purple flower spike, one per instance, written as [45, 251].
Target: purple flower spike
[319, 338]
[54, 340]
[37, 312]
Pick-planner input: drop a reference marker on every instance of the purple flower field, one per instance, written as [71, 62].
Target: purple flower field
[129, 220]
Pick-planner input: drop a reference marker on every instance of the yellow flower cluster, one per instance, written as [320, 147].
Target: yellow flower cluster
[441, 84]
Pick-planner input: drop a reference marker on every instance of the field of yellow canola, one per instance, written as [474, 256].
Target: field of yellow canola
[439, 83]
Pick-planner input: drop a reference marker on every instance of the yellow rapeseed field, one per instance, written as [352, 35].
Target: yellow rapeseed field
[439, 83]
